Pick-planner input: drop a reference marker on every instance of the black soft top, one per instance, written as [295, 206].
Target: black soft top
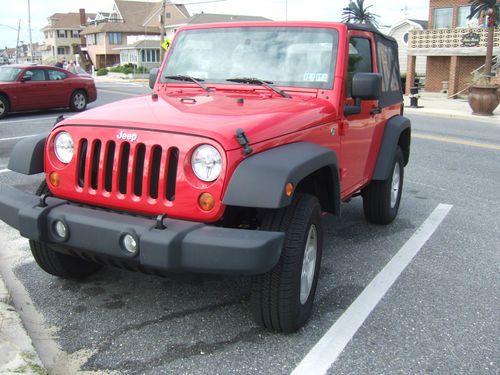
[370, 28]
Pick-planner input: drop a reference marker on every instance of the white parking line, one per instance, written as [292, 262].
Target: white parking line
[328, 348]
[20, 137]
[3, 122]
[4, 170]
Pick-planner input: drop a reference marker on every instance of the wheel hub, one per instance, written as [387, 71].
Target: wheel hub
[308, 264]
[396, 175]
[79, 101]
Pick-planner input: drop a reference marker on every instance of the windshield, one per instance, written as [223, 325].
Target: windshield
[9, 74]
[285, 56]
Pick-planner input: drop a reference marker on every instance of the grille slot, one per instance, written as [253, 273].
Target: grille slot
[108, 173]
[96, 154]
[81, 162]
[155, 171]
[140, 154]
[124, 168]
[173, 161]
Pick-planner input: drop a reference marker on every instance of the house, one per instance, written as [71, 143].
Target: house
[209, 18]
[401, 32]
[145, 53]
[61, 37]
[127, 23]
[454, 46]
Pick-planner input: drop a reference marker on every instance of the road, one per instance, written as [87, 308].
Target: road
[439, 316]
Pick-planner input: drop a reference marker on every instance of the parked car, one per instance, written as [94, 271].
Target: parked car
[251, 133]
[32, 87]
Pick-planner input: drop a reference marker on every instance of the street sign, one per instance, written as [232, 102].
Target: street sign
[166, 44]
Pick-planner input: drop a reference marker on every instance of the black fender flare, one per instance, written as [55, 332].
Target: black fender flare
[259, 180]
[390, 141]
[27, 156]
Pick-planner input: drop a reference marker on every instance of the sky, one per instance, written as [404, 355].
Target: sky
[306, 10]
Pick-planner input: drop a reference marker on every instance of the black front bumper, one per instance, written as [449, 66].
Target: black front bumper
[181, 246]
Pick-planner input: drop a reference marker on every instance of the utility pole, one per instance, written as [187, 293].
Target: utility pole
[17, 43]
[29, 27]
[162, 26]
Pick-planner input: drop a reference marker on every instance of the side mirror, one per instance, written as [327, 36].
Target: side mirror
[153, 75]
[365, 86]
[26, 78]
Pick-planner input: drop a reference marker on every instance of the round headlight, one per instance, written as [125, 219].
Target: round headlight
[206, 163]
[63, 147]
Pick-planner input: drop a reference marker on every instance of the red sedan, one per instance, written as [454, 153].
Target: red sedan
[25, 88]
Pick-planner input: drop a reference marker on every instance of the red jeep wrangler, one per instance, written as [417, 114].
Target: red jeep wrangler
[251, 132]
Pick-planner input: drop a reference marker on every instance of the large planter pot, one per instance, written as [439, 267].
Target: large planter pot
[483, 100]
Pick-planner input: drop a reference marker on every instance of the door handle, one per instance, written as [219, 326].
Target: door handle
[375, 111]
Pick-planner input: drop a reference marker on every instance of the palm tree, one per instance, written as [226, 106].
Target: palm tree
[491, 9]
[356, 12]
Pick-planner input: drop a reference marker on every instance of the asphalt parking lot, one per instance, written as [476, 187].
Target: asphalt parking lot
[440, 315]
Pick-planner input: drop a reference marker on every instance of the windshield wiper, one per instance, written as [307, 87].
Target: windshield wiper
[181, 77]
[257, 81]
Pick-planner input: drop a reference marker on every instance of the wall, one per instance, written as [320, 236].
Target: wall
[438, 70]
[398, 33]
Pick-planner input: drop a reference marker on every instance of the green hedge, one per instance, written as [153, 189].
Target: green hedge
[101, 72]
[129, 68]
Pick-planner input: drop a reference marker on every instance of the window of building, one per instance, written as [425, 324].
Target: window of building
[150, 55]
[406, 38]
[90, 39]
[75, 34]
[100, 38]
[168, 15]
[115, 38]
[61, 50]
[360, 60]
[442, 18]
[61, 33]
[56, 75]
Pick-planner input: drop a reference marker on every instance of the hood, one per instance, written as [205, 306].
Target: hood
[216, 116]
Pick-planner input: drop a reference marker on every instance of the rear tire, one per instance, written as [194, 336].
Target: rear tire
[282, 298]
[381, 199]
[78, 101]
[4, 106]
[59, 264]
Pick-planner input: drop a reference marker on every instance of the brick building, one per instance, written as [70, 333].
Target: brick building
[455, 46]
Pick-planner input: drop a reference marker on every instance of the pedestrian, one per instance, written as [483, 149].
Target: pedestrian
[72, 67]
[60, 63]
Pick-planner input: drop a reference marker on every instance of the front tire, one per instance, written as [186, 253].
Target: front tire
[4, 106]
[59, 264]
[78, 101]
[381, 199]
[282, 298]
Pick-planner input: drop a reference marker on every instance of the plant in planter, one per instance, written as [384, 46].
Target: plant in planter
[483, 93]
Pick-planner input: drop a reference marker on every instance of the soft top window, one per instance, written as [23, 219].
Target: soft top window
[388, 66]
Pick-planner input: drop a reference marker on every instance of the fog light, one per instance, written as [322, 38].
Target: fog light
[61, 229]
[54, 179]
[130, 243]
[206, 201]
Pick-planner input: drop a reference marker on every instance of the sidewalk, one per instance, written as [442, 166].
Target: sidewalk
[435, 104]
[17, 355]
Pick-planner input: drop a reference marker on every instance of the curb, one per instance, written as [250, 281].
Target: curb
[495, 120]
[17, 354]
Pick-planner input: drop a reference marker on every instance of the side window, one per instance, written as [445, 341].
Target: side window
[56, 75]
[387, 56]
[35, 74]
[360, 60]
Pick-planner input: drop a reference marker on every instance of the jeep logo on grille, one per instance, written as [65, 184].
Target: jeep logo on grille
[127, 136]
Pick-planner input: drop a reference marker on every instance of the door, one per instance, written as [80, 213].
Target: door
[58, 88]
[33, 94]
[358, 129]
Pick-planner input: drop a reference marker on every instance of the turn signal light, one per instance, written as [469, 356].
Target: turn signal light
[206, 201]
[54, 179]
[289, 189]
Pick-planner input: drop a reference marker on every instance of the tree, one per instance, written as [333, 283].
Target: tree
[357, 13]
[490, 9]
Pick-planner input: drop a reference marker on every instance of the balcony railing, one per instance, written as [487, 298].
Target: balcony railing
[449, 38]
